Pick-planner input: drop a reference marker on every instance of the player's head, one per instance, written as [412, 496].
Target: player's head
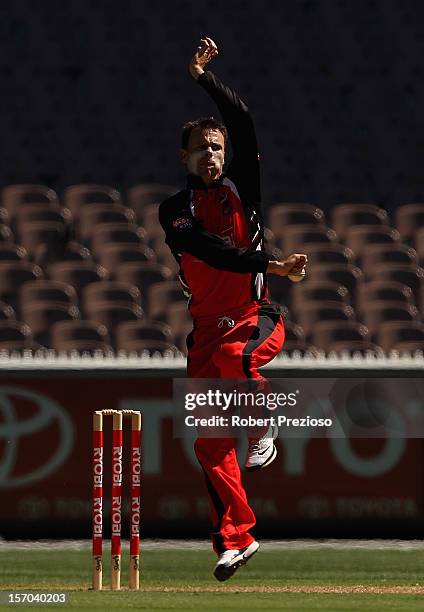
[203, 148]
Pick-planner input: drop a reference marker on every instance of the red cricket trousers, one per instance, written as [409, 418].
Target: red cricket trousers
[231, 346]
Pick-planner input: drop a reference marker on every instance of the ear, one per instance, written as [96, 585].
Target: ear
[183, 156]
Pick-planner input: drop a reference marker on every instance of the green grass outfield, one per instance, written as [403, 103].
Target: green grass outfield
[277, 578]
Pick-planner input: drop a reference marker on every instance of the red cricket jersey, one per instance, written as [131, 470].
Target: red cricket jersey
[216, 233]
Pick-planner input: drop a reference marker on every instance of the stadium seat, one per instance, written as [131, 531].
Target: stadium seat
[387, 253]
[77, 196]
[156, 237]
[155, 233]
[113, 255]
[6, 312]
[342, 274]
[161, 295]
[374, 291]
[293, 332]
[13, 331]
[153, 347]
[130, 333]
[376, 313]
[419, 242]
[52, 213]
[16, 336]
[178, 317]
[140, 196]
[46, 254]
[15, 196]
[409, 218]
[298, 347]
[295, 238]
[96, 214]
[12, 252]
[390, 334]
[118, 233]
[77, 273]
[82, 336]
[111, 314]
[326, 333]
[110, 291]
[412, 276]
[150, 219]
[47, 291]
[345, 216]
[318, 291]
[4, 216]
[166, 258]
[40, 316]
[295, 340]
[180, 339]
[279, 216]
[34, 234]
[329, 253]
[354, 347]
[143, 274]
[408, 347]
[6, 234]
[307, 315]
[360, 236]
[13, 274]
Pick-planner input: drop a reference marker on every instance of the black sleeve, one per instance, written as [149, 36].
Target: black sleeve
[184, 233]
[244, 166]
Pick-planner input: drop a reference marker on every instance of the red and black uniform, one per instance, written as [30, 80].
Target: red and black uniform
[216, 234]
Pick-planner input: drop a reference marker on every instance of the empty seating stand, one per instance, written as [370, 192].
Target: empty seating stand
[93, 260]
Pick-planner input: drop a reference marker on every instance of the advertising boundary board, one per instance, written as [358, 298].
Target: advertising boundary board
[395, 512]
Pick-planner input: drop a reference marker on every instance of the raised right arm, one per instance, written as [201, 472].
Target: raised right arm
[244, 166]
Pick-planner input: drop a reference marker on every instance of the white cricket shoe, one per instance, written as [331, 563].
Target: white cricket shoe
[261, 451]
[230, 560]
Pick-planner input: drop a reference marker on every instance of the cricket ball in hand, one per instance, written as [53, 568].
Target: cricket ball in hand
[298, 276]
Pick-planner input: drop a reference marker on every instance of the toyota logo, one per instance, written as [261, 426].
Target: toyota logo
[14, 429]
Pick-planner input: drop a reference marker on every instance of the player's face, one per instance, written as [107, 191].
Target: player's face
[205, 154]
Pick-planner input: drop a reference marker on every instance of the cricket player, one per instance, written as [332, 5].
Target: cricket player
[215, 230]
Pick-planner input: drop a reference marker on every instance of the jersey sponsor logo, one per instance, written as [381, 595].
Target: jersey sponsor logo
[182, 223]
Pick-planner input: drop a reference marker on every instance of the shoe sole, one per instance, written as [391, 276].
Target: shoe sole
[256, 468]
[224, 572]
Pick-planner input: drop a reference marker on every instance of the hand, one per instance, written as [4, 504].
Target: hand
[292, 265]
[206, 51]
